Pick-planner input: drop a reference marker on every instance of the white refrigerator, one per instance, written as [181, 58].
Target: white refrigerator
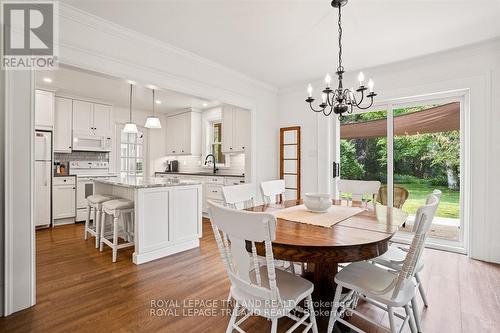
[43, 178]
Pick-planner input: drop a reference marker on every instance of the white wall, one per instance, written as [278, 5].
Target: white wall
[19, 230]
[477, 68]
[2, 183]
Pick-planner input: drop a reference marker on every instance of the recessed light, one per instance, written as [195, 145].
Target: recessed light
[150, 86]
[131, 82]
[205, 105]
[47, 79]
[158, 101]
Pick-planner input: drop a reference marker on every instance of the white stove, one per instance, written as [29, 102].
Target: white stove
[89, 168]
[85, 172]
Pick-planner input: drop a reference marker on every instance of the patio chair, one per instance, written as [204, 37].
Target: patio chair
[400, 196]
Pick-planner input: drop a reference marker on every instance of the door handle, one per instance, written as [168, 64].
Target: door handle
[335, 169]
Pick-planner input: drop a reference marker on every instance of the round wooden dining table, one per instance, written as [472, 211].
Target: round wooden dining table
[360, 237]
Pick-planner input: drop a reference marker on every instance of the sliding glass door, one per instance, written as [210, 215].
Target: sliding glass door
[363, 146]
[412, 147]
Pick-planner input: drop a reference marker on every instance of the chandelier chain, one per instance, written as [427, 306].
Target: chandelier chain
[340, 68]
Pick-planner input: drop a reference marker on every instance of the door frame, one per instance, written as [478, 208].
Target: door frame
[460, 95]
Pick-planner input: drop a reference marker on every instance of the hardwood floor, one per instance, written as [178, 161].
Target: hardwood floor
[80, 290]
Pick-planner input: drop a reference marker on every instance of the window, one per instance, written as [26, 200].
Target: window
[216, 142]
[132, 154]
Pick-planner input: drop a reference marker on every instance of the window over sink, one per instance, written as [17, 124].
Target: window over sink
[212, 140]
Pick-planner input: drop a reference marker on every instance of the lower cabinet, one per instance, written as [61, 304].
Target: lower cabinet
[212, 185]
[64, 200]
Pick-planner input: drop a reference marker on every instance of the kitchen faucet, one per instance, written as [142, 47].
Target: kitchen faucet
[213, 159]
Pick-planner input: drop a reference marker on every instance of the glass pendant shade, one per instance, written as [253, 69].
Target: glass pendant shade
[153, 122]
[130, 128]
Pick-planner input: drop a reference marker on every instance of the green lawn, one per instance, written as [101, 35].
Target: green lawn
[448, 207]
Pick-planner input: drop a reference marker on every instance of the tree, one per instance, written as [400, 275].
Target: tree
[445, 152]
[350, 168]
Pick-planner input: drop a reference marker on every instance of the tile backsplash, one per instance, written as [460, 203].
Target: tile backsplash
[195, 164]
[81, 156]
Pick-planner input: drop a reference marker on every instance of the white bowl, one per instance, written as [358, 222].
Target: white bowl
[318, 202]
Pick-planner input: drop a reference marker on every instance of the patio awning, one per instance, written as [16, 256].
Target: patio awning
[442, 118]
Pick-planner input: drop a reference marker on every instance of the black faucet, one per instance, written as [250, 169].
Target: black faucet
[213, 159]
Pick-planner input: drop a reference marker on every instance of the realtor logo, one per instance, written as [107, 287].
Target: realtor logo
[29, 34]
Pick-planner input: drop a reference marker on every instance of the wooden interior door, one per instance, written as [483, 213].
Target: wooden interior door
[290, 161]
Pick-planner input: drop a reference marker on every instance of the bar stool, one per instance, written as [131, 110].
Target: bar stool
[117, 209]
[94, 201]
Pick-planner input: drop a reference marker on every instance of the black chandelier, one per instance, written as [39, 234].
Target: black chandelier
[341, 100]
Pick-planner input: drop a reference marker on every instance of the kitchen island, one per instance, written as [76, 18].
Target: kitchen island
[167, 214]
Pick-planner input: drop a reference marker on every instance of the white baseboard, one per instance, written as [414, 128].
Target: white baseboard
[166, 251]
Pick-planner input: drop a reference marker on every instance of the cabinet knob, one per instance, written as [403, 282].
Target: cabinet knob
[243, 147]
[173, 151]
[231, 148]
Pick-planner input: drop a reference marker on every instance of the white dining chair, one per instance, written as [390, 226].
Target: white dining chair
[384, 288]
[395, 257]
[358, 189]
[239, 196]
[258, 290]
[272, 190]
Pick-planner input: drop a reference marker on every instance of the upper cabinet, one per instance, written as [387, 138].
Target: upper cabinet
[184, 134]
[235, 129]
[91, 118]
[62, 125]
[102, 119]
[44, 110]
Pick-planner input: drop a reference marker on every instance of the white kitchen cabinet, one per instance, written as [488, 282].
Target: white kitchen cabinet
[63, 197]
[181, 212]
[83, 117]
[184, 134]
[44, 110]
[102, 119]
[235, 129]
[91, 118]
[63, 115]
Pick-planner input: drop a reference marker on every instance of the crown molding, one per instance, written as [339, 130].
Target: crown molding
[104, 26]
[482, 47]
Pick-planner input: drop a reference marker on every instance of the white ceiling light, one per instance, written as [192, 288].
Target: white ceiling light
[153, 121]
[130, 127]
[205, 104]
[47, 80]
[158, 101]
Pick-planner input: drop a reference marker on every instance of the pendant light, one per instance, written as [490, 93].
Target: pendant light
[153, 121]
[130, 127]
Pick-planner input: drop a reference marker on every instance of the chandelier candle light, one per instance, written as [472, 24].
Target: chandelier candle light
[341, 100]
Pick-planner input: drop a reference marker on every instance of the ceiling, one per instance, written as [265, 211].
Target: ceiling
[95, 86]
[286, 42]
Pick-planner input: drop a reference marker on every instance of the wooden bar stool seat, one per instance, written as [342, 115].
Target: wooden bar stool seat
[118, 209]
[94, 205]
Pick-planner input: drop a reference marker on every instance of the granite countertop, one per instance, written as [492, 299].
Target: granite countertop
[144, 182]
[61, 175]
[199, 174]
